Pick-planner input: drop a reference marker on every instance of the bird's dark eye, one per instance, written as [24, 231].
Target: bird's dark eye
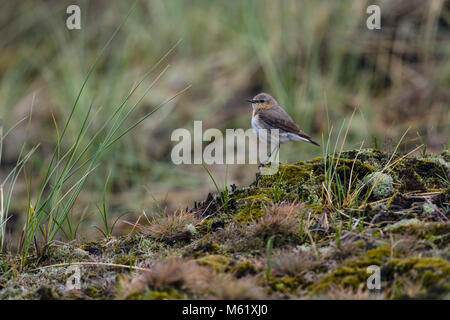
[262, 101]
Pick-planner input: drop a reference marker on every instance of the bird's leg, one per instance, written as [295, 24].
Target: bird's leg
[276, 149]
[274, 152]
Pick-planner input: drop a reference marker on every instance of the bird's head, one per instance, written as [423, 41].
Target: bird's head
[262, 100]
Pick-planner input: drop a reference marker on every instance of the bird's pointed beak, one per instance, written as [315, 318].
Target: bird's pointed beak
[251, 101]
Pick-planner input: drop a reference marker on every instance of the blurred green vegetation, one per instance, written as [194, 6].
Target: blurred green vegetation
[310, 55]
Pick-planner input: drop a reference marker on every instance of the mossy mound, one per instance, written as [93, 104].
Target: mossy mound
[327, 222]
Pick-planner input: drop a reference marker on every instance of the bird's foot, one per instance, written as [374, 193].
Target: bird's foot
[263, 164]
[270, 163]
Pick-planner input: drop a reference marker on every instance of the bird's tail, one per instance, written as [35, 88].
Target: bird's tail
[313, 142]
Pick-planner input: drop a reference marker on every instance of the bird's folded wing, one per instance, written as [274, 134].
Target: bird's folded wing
[275, 121]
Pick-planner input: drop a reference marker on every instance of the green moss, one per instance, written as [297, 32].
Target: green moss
[377, 159]
[46, 293]
[292, 174]
[93, 292]
[203, 247]
[65, 253]
[256, 197]
[210, 224]
[437, 264]
[440, 160]
[360, 243]
[379, 253]
[250, 212]
[365, 262]
[125, 260]
[427, 272]
[243, 269]
[420, 174]
[254, 193]
[218, 262]
[392, 200]
[360, 169]
[284, 284]
[344, 276]
[214, 247]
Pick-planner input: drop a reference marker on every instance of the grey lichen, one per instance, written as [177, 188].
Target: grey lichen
[427, 209]
[380, 183]
[402, 224]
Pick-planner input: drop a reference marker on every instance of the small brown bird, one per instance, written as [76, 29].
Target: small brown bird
[268, 114]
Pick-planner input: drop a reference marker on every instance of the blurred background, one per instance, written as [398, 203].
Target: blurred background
[310, 55]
